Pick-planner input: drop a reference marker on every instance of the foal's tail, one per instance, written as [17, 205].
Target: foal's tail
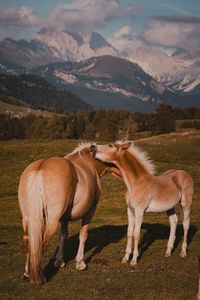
[37, 215]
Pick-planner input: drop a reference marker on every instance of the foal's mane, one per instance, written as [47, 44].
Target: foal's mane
[141, 155]
[82, 146]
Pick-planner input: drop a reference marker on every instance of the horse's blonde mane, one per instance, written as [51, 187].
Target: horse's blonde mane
[82, 146]
[141, 155]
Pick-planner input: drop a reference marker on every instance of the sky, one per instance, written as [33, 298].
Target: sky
[126, 24]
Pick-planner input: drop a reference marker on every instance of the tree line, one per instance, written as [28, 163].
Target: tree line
[97, 125]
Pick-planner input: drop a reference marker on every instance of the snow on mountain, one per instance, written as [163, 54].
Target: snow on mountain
[180, 71]
[107, 82]
[62, 44]
[53, 44]
[74, 47]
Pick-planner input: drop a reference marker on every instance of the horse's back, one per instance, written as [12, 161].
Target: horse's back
[180, 177]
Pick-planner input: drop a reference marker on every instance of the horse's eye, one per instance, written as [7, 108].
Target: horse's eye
[110, 145]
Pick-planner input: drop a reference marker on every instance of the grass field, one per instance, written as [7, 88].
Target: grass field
[22, 111]
[156, 277]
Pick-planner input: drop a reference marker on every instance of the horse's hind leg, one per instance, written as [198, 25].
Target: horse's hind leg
[80, 264]
[186, 202]
[173, 220]
[186, 225]
[49, 231]
[59, 259]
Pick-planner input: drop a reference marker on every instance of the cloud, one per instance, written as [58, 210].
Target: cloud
[20, 17]
[16, 21]
[86, 15]
[174, 31]
[178, 19]
[177, 9]
[126, 40]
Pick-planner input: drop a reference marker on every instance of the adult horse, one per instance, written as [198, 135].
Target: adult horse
[147, 192]
[53, 190]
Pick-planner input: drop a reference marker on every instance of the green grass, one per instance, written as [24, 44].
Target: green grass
[179, 123]
[156, 277]
[22, 111]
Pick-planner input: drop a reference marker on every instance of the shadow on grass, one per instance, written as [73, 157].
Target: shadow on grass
[98, 239]
[161, 232]
[102, 236]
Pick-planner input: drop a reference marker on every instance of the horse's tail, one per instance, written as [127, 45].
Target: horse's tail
[37, 215]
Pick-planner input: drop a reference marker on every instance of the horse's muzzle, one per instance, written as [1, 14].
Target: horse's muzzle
[93, 150]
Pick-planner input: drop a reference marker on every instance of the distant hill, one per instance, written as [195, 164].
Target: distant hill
[36, 92]
[109, 82]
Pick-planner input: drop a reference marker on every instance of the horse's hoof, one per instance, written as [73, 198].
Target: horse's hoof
[59, 264]
[62, 265]
[183, 254]
[39, 281]
[81, 265]
[44, 280]
[26, 275]
[167, 254]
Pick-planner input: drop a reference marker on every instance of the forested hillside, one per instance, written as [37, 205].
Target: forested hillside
[36, 92]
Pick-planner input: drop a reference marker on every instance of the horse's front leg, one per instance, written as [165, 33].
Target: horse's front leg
[59, 259]
[138, 222]
[80, 264]
[131, 223]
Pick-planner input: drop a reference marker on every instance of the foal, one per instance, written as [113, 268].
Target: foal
[57, 190]
[148, 193]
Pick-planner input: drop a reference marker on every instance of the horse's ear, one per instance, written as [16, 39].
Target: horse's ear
[125, 140]
[125, 146]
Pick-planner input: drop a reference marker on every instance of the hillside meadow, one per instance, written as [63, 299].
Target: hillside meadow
[156, 277]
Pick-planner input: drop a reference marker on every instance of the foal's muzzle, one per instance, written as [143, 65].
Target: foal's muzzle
[93, 150]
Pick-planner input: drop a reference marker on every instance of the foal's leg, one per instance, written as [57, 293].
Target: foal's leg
[186, 225]
[173, 220]
[131, 222]
[59, 259]
[136, 234]
[80, 264]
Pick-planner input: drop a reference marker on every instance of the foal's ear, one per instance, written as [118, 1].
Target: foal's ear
[125, 146]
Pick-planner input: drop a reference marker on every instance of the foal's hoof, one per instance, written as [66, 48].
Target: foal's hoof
[124, 260]
[167, 254]
[59, 264]
[81, 265]
[133, 263]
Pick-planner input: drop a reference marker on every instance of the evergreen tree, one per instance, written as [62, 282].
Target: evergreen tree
[163, 120]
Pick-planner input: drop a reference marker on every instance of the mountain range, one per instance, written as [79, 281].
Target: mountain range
[88, 66]
[110, 82]
[52, 44]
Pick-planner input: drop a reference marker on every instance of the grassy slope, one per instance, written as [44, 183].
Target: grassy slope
[106, 278]
[22, 111]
